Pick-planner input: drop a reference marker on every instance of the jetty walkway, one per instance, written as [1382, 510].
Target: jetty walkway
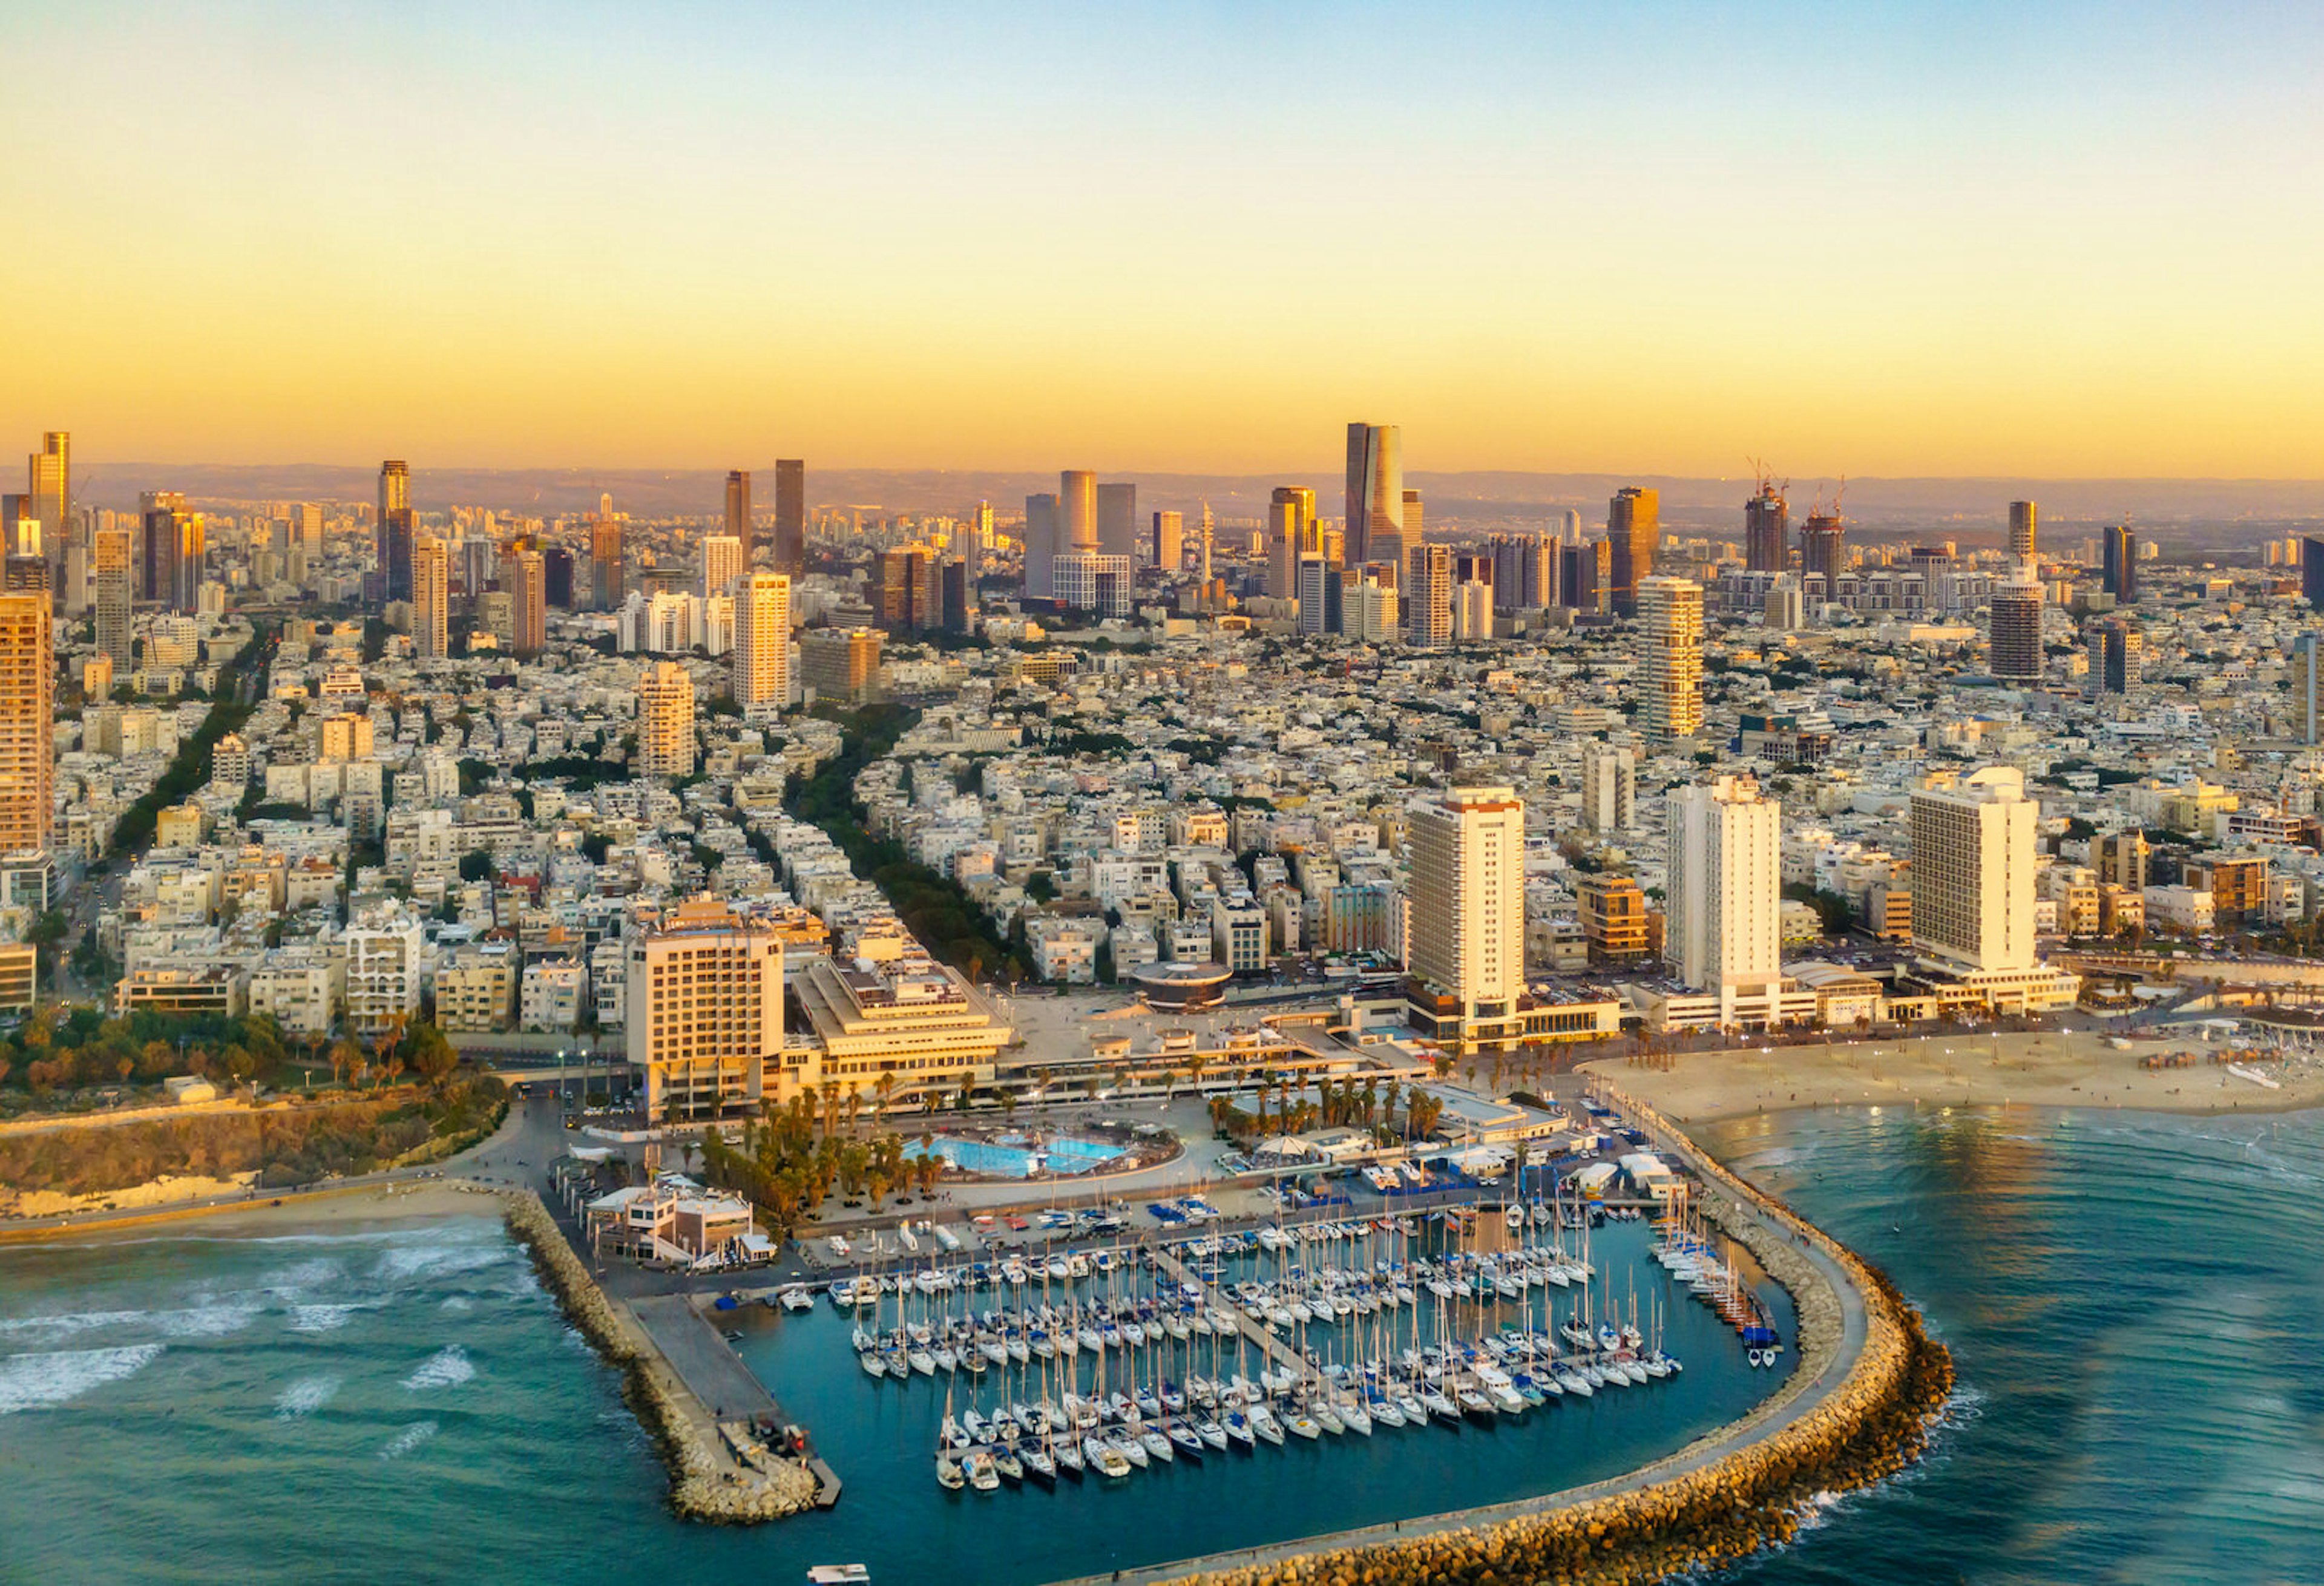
[1274, 1348]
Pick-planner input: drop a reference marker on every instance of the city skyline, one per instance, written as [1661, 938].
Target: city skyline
[1994, 242]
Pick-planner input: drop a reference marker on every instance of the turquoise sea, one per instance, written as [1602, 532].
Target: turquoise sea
[2133, 1301]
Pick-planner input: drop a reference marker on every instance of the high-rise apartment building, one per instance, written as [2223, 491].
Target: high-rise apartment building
[2024, 517]
[174, 552]
[2119, 654]
[904, 590]
[431, 599]
[1634, 529]
[1427, 595]
[1170, 540]
[531, 602]
[666, 721]
[1669, 656]
[556, 575]
[2311, 571]
[1313, 602]
[976, 540]
[2015, 647]
[606, 558]
[2119, 549]
[2307, 688]
[1585, 572]
[760, 663]
[1767, 530]
[791, 515]
[1973, 869]
[1610, 780]
[703, 1010]
[1290, 535]
[841, 663]
[1415, 531]
[1375, 528]
[1117, 520]
[1041, 546]
[28, 702]
[1823, 550]
[1467, 851]
[724, 558]
[114, 595]
[1721, 931]
[395, 496]
[738, 511]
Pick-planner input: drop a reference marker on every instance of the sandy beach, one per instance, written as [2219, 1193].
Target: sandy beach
[324, 1209]
[1964, 1068]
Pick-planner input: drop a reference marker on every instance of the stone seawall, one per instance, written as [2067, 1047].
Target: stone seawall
[706, 1483]
[1867, 1427]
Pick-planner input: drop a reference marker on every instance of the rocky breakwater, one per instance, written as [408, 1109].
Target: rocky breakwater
[706, 1483]
[1763, 1473]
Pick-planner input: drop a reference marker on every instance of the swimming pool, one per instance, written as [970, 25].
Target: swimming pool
[1004, 1160]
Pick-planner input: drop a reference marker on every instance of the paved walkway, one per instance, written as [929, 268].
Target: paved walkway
[1282, 1353]
[711, 1371]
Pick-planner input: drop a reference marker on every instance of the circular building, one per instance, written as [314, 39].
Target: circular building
[1180, 985]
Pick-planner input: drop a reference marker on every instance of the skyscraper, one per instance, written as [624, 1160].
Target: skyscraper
[1170, 540]
[1670, 643]
[556, 575]
[1767, 530]
[1973, 870]
[1041, 546]
[2120, 551]
[531, 602]
[1725, 892]
[2016, 641]
[1584, 569]
[1413, 532]
[900, 589]
[1290, 534]
[49, 482]
[976, 540]
[109, 572]
[1427, 595]
[2120, 648]
[760, 665]
[1077, 509]
[2307, 688]
[606, 563]
[1313, 600]
[724, 558]
[28, 700]
[791, 515]
[1467, 851]
[431, 599]
[1375, 507]
[1634, 528]
[2022, 517]
[1822, 552]
[174, 552]
[738, 510]
[395, 540]
[666, 721]
[1117, 520]
[2311, 571]
[394, 495]
[20, 527]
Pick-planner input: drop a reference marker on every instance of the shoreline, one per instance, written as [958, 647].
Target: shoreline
[294, 1212]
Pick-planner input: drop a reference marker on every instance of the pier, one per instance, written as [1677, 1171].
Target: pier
[1274, 1349]
[737, 1403]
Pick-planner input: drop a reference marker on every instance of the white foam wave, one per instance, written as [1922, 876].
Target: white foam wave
[44, 1329]
[459, 1303]
[303, 1274]
[210, 1321]
[31, 1381]
[438, 1261]
[409, 1438]
[320, 1318]
[447, 1368]
[305, 1397]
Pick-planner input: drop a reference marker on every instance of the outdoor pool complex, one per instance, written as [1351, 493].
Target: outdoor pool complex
[1003, 1159]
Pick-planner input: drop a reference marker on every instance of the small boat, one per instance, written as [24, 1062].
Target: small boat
[1128, 1446]
[922, 1361]
[1069, 1458]
[1188, 1441]
[1037, 1465]
[1104, 1458]
[1011, 1467]
[1157, 1446]
[838, 1575]
[1264, 1423]
[1300, 1424]
[1475, 1404]
[798, 1297]
[873, 1366]
[982, 1474]
[1213, 1433]
[948, 1474]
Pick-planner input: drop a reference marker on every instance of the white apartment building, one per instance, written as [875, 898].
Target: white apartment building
[384, 952]
[1973, 888]
[551, 995]
[1610, 780]
[1723, 934]
[1467, 851]
[1670, 643]
[760, 663]
[666, 721]
[705, 1016]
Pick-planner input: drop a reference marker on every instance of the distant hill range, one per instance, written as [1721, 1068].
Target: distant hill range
[1969, 507]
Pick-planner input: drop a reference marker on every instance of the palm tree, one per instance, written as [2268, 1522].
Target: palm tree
[884, 1087]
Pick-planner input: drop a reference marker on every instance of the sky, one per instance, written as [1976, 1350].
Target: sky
[2058, 240]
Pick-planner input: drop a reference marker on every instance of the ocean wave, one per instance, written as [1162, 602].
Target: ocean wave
[301, 1274]
[409, 1438]
[31, 1381]
[305, 1397]
[47, 1329]
[447, 1368]
[459, 1301]
[320, 1318]
[440, 1261]
[206, 1321]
